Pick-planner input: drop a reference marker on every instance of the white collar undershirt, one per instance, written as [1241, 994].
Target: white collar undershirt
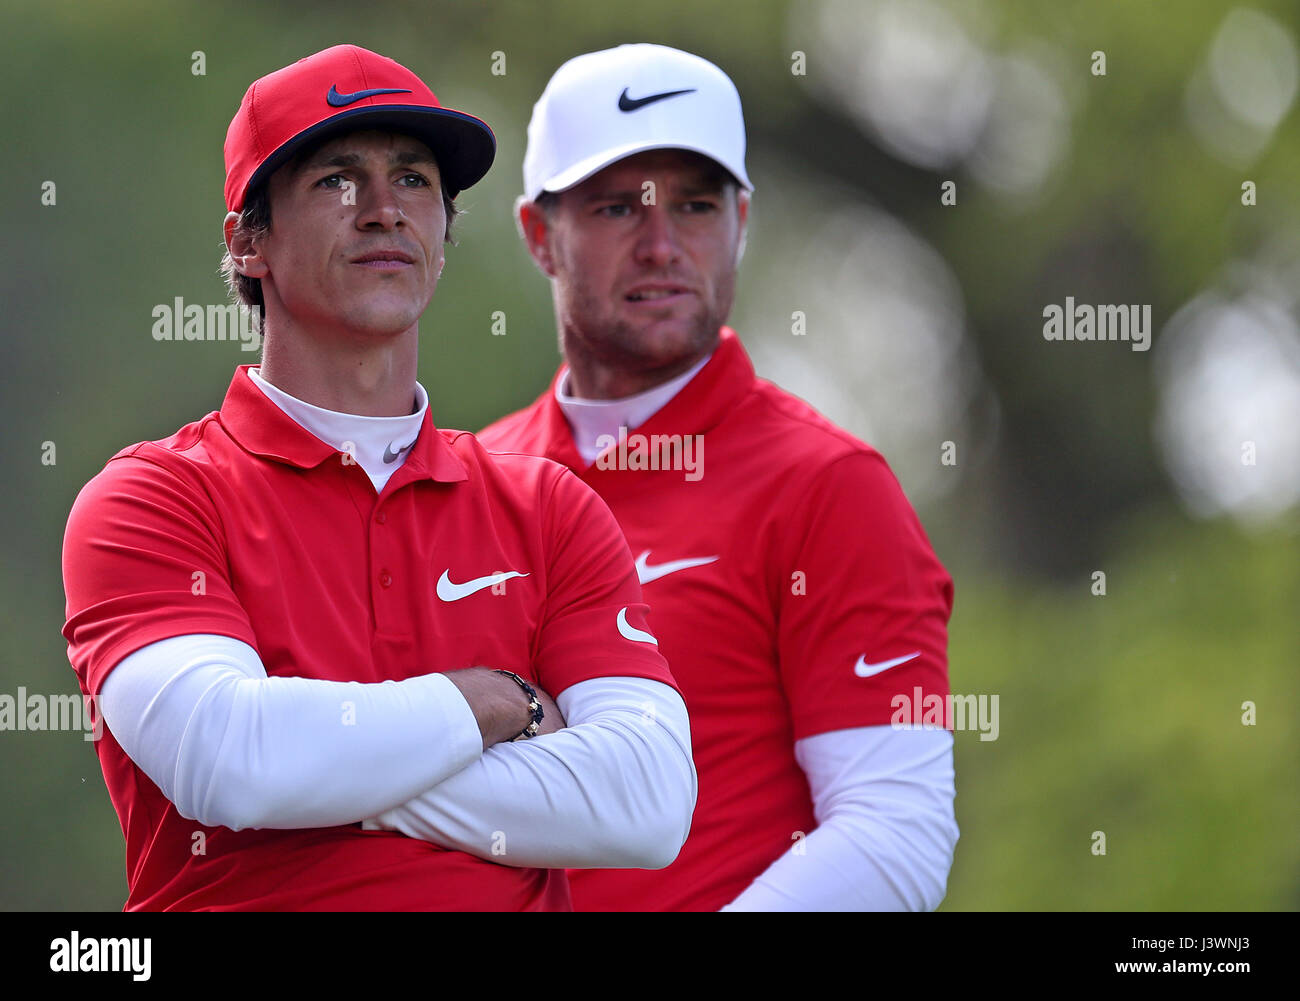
[368, 439]
[591, 420]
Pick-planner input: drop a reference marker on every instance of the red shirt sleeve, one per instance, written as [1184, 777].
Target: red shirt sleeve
[595, 622]
[861, 587]
[143, 560]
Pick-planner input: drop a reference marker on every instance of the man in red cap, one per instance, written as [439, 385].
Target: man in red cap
[792, 587]
[312, 614]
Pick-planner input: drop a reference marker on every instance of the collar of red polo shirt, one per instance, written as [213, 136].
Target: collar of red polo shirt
[701, 405]
[262, 428]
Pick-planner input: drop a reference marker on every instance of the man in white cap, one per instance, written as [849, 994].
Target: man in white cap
[792, 587]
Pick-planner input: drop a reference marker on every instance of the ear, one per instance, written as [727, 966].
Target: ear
[243, 251]
[535, 230]
[742, 214]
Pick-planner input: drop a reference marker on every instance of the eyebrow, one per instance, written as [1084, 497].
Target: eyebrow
[690, 190]
[709, 187]
[610, 195]
[400, 159]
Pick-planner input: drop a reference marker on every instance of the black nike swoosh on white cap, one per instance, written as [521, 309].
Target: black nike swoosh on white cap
[626, 103]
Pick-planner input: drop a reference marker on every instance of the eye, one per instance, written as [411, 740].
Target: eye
[331, 182]
[699, 207]
[618, 210]
[420, 180]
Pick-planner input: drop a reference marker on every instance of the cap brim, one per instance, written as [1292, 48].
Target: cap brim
[463, 145]
[583, 169]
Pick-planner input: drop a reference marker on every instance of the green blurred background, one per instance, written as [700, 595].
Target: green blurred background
[1119, 713]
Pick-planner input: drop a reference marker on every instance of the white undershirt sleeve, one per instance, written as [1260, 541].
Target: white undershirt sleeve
[615, 789]
[232, 747]
[885, 835]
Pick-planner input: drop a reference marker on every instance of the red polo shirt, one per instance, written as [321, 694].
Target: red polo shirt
[781, 576]
[246, 525]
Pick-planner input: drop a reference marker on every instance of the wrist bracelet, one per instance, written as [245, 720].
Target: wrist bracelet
[534, 706]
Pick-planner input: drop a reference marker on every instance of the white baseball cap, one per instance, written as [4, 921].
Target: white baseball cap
[603, 106]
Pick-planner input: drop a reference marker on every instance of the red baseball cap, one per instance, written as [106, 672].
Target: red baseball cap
[342, 89]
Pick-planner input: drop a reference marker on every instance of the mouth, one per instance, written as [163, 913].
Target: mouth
[385, 260]
[659, 293]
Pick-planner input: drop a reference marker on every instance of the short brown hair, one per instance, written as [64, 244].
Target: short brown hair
[255, 222]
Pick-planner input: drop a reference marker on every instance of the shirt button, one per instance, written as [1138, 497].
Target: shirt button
[385, 579]
[382, 517]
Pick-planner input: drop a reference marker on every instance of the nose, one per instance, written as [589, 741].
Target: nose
[378, 206]
[656, 244]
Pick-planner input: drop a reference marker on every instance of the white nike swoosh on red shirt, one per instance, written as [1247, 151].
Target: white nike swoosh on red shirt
[448, 591]
[631, 632]
[864, 670]
[646, 573]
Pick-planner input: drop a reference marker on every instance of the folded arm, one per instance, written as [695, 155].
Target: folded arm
[615, 789]
[232, 747]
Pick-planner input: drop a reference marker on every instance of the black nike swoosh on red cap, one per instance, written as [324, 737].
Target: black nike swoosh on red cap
[626, 103]
[338, 100]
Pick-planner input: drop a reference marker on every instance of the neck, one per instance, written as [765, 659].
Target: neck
[346, 376]
[609, 378]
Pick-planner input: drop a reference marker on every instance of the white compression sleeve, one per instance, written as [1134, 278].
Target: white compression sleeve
[231, 747]
[616, 788]
[886, 830]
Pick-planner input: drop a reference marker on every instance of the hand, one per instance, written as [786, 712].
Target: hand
[500, 706]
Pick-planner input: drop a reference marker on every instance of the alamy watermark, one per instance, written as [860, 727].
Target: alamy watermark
[77, 954]
[947, 712]
[1083, 322]
[34, 711]
[678, 452]
[179, 322]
